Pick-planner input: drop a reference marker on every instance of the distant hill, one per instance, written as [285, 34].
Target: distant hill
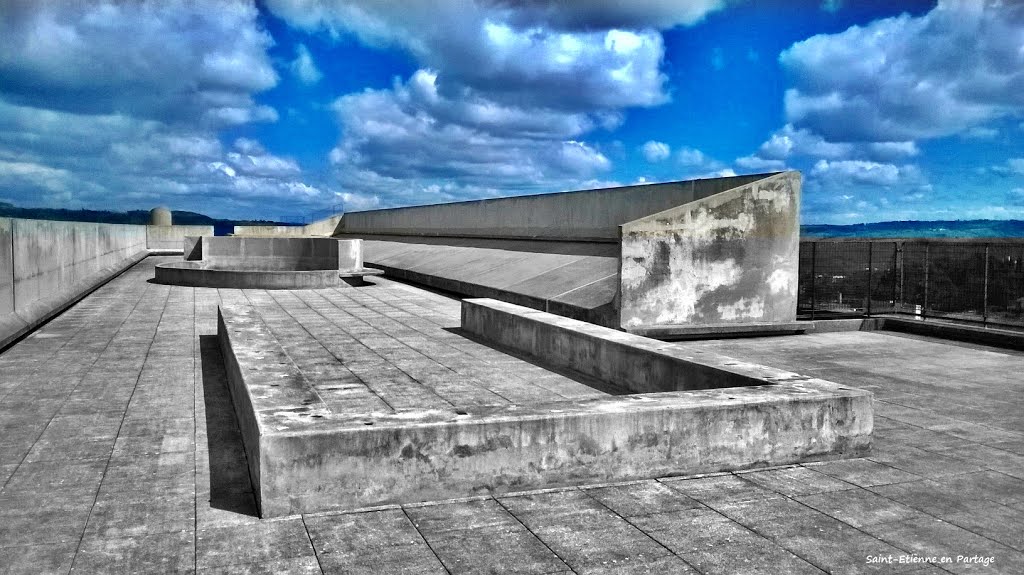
[220, 226]
[915, 229]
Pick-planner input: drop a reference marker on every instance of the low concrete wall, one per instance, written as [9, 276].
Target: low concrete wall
[730, 258]
[169, 238]
[304, 456]
[630, 362]
[46, 266]
[270, 231]
[271, 253]
[320, 228]
[265, 263]
[583, 215]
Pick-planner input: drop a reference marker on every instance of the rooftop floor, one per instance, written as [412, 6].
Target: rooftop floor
[119, 452]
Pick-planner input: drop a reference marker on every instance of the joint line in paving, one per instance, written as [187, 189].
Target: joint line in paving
[124, 415]
[529, 382]
[425, 542]
[428, 388]
[535, 536]
[85, 373]
[310, 537]
[646, 534]
[312, 385]
[325, 348]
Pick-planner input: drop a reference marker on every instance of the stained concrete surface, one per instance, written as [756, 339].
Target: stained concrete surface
[730, 258]
[119, 453]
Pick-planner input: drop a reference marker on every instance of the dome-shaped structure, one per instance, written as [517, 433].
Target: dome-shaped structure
[160, 217]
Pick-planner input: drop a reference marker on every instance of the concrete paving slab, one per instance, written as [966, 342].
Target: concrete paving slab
[926, 537]
[712, 543]
[991, 521]
[403, 560]
[159, 553]
[859, 507]
[797, 480]
[641, 499]
[289, 566]
[43, 559]
[41, 527]
[136, 513]
[864, 472]
[261, 542]
[720, 489]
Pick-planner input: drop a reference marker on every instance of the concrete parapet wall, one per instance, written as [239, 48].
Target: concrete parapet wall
[320, 228]
[270, 231]
[584, 215]
[730, 258]
[47, 265]
[169, 238]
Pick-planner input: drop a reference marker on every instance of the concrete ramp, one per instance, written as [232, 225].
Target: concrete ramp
[659, 259]
[573, 279]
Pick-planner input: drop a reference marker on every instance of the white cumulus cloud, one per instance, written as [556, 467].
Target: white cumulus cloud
[505, 93]
[303, 67]
[655, 151]
[122, 104]
[906, 78]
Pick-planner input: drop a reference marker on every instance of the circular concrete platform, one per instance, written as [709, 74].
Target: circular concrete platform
[203, 274]
[265, 263]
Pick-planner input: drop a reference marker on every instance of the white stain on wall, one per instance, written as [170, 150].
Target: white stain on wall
[782, 282]
[752, 308]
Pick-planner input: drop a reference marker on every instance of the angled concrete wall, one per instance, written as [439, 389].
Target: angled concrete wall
[730, 258]
[583, 215]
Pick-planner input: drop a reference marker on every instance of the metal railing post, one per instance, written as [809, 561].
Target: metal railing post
[867, 308]
[924, 308]
[814, 277]
[895, 263]
[984, 304]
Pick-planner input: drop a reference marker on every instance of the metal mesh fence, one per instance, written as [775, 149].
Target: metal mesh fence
[978, 281]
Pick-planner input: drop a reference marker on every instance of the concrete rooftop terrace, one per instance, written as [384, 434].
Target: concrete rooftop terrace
[119, 452]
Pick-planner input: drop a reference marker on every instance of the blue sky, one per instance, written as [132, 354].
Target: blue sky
[891, 110]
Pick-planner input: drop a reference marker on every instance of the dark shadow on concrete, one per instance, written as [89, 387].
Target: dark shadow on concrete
[357, 281]
[592, 382]
[230, 487]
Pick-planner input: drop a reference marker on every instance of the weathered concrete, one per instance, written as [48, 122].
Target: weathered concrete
[267, 263]
[305, 455]
[48, 265]
[730, 258]
[574, 216]
[119, 452]
[168, 239]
